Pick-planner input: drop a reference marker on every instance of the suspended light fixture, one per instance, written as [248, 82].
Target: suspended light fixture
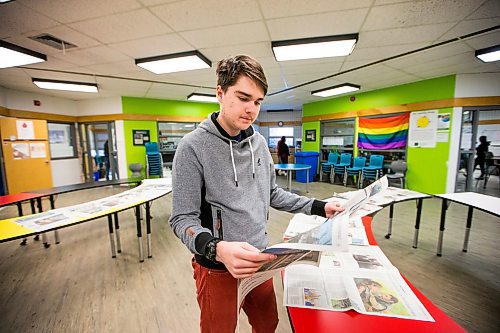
[65, 85]
[313, 48]
[12, 55]
[202, 98]
[336, 90]
[178, 62]
[489, 54]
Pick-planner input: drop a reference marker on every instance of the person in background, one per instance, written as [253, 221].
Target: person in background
[223, 186]
[481, 151]
[283, 151]
[106, 159]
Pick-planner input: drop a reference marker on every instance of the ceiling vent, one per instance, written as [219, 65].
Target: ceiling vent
[53, 42]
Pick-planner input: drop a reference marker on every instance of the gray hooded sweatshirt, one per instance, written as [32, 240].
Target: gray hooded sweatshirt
[223, 189]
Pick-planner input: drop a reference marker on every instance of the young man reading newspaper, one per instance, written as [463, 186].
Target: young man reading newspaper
[223, 188]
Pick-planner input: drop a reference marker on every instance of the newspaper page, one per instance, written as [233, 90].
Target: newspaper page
[387, 196]
[362, 279]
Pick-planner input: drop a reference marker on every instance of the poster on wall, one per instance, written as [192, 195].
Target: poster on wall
[140, 137]
[20, 151]
[310, 135]
[423, 129]
[443, 121]
[37, 150]
[25, 130]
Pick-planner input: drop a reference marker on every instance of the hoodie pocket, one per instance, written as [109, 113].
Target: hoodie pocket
[217, 217]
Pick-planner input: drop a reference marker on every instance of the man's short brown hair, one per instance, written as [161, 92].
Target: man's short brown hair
[230, 69]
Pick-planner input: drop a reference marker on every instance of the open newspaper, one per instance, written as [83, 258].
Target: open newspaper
[333, 232]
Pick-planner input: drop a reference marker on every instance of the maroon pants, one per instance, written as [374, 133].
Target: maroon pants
[216, 292]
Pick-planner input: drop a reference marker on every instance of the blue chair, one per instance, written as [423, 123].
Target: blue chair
[327, 166]
[154, 162]
[374, 170]
[339, 168]
[355, 171]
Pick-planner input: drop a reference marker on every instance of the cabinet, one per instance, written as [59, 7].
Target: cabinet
[169, 136]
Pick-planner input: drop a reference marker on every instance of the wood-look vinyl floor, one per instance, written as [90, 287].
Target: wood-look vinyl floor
[77, 287]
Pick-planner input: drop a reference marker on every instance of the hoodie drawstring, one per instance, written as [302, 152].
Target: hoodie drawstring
[253, 159]
[234, 165]
[232, 160]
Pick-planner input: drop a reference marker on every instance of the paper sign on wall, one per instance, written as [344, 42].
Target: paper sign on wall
[25, 130]
[37, 150]
[423, 129]
[20, 151]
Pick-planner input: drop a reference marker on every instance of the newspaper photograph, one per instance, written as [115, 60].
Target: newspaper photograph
[364, 281]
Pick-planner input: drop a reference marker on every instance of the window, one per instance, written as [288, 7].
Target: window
[337, 136]
[275, 134]
[62, 140]
[169, 136]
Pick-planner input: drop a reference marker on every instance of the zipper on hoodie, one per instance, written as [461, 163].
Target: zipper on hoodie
[219, 224]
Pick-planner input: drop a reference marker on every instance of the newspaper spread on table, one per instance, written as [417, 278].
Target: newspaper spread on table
[149, 189]
[326, 268]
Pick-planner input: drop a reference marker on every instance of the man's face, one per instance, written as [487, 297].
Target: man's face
[239, 105]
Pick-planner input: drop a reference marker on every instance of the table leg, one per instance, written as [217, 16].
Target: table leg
[44, 236]
[290, 180]
[417, 222]
[467, 230]
[391, 215]
[148, 229]
[117, 231]
[111, 236]
[307, 180]
[53, 206]
[444, 207]
[139, 231]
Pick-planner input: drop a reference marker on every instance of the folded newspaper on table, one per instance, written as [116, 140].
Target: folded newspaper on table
[334, 232]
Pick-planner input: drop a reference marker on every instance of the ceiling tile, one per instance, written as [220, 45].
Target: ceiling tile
[67, 11]
[417, 13]
[417, 34]
[13, 20]
[489, 9]
[153, 46]
[333, 23]
[198, 14]
[468, 26]
[227, 35]
[285, 8]
[91, 56]
[121, 27]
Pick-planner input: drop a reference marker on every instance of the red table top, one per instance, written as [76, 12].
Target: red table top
[11, 199]
[319, 321]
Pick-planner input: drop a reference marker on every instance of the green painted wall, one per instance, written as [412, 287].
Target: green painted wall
[427, 167]
[133, 105]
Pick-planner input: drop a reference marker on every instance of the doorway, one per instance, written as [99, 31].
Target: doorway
[99, 153]
[476, 123]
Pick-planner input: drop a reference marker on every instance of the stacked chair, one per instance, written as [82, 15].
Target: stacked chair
[328, 166]
[374, 170]
[154, 162]
[355, 171]
[340, 168]
[398, 172]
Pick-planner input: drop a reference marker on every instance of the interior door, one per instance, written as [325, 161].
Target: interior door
[94, 137]
[26, 154]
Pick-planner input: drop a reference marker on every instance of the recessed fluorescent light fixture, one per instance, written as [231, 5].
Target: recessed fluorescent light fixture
[178, 62]
[336, 90]
[313, 48]
[12, 55]
[5, 1]
[66, 85]
[489, 54]
[202, 98]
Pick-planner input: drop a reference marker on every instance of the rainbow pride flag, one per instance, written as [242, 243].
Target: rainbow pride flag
[383, 133]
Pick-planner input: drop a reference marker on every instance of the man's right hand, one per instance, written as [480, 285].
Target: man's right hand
[240, 258]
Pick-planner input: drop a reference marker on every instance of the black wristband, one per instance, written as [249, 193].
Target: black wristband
[211, 249]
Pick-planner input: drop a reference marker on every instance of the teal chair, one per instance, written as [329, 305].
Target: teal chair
[154, 161]
[327, 166]
[374, 169]
[339, 168]
[355, 171]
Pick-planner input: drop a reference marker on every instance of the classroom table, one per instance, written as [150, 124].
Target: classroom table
[473, 200]
[15, 228]
[294, 167]
[305, 320]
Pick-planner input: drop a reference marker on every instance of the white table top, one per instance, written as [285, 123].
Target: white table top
[483, 202]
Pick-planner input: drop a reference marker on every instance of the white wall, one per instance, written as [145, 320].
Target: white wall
[66, 172]
[20, 100]
[2, 97]
[120, 147]
[477, 85]
[92, 107]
